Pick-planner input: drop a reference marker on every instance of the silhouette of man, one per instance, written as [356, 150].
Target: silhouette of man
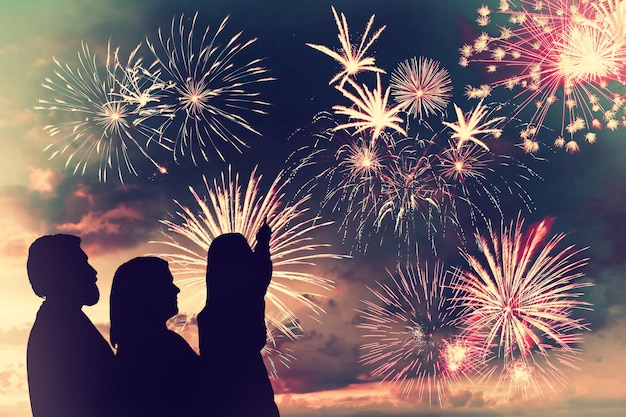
[231, 327]
[152, 361]
[69, 363]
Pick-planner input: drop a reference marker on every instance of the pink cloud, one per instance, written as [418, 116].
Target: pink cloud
[110, 222]
[82, 191]
[43, 180]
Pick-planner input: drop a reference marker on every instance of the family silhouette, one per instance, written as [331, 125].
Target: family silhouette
[73, 372]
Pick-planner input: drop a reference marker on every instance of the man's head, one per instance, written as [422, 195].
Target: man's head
[58, 270]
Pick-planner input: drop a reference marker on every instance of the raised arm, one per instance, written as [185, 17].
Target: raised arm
[262, 253]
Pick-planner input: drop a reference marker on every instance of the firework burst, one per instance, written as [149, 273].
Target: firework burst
[209, 88]
[521, 299]
[527, 375]
[234, 207]
[370, 110]
[413, 342]
[475, 178]
[355, 174]
[409, 190]
[611, 17]
[421, 86]
[274, 355]
[351, 57]
[102, 113]
[474, 126]
[556, 53]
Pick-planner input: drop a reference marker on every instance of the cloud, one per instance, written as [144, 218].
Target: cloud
[323, 361]
[607, 296]
[468, 399]
[12, 378]
[43, 180]
[20, 409]
[459, 399]
[105, 216]
[15, 335]
[18, 226]
[110, 222]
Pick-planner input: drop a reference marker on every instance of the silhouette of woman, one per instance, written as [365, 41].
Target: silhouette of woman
[154, 364]
[231, 327]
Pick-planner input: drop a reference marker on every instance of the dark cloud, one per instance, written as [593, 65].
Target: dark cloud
[467, 399]
[607, 297]
[323, 361]
[105, 216]
[459, 399]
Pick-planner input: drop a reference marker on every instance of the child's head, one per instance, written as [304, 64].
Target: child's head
[230, 260]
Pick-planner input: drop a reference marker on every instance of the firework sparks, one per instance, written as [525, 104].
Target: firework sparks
[141, 86]
[372, 111]
[409, 189]
[351, 58]
[465, 173]
[413, 341]
[354, 183]
[209, 88]
[611, 16]
[100, 120]
[521, 376]
[556, 51]
[421, 86]
[529, 374]
[233, 207]
[473, 176]
[522, 298]
[275, 356]
[358, 164]
[469, 127]
[460, 164]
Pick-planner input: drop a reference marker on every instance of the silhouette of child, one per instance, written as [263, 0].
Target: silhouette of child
[156, 368]
[68, 361]
[231, 327]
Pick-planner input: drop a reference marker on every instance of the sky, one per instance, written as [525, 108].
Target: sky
[583, 192]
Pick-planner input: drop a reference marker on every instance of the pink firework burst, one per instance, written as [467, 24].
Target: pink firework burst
[555, 53]
[525, 376]
[521, 293]
[412, 341]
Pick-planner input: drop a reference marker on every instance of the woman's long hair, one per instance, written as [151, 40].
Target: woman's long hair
[130, 293]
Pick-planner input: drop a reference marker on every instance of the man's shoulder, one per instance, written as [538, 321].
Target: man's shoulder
[55, 330]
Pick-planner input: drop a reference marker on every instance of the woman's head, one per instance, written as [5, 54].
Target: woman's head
[142, 294]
